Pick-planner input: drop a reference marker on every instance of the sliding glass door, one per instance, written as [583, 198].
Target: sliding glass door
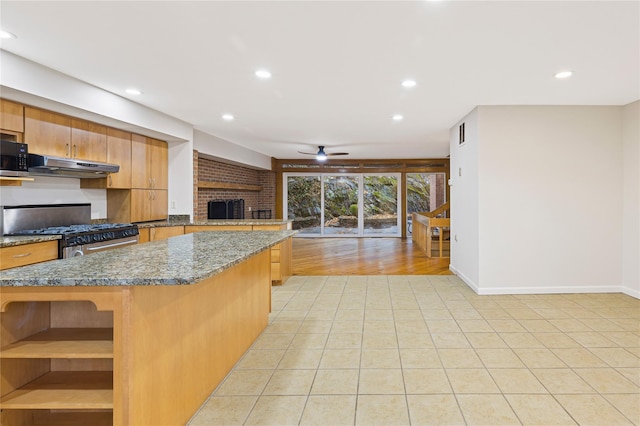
[381, 217]
[341, 199]
[304, 196]
[342, 205]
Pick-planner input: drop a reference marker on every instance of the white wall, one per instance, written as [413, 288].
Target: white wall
[631, 199]
[221, 149]
[33, 84]
[465, 255]
[549, 200]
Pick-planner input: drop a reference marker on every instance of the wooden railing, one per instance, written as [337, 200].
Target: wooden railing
[437, 212]
[423, 233]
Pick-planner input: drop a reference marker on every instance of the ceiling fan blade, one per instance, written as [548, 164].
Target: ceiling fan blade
[308, 153]
[331, 154]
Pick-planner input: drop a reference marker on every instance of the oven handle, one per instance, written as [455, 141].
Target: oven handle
[111, 245]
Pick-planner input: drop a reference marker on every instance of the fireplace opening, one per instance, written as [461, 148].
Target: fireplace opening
[225, 209]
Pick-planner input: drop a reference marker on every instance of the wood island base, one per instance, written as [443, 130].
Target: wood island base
[126, 355]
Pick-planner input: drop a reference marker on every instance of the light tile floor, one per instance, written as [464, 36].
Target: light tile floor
[395, 350]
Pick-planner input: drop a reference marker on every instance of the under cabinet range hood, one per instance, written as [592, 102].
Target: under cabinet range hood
[45, 165]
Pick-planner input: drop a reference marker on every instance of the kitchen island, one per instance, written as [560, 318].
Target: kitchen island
[135, 336]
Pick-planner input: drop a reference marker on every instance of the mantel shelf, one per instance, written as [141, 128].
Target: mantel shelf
[228, 186]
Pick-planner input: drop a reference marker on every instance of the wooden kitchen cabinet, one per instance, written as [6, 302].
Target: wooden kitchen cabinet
[11, 116]
[280, 254]
[141, 194]
[57, 360]
[143, 235]
[149, 179]
[119, 152]
[159, 233]
[137, 205]
[164, 232]
[148, 205]
[126, 355]
[27, 254]
[50, 133]
[47, 133]
[88, 141]
[151, 158]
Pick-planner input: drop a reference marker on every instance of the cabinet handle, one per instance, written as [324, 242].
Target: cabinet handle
[68, 148]
[75, 150]
[16, 256]
[110, 181]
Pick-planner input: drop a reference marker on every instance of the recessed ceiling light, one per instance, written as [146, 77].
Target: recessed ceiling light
[563, 74]
[397, 117]
[263, 74]
[227, 117]
[408, 83]
[133, 91]
[7, 34]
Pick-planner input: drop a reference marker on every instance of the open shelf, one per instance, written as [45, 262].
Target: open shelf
[228, 186]
[101, 418]
[64, 390]
[63, 343]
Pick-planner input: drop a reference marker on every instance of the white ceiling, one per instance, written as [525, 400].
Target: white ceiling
[337, 66]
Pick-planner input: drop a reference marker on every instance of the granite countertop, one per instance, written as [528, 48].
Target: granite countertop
[214, 222]
[185, 259]
[9, 241]
[18, 240]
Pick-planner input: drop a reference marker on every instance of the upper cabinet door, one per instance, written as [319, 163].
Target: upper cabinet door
[140, 162]
[149, 163]
[159, 164]
[119, 152]
[47, 133]
[11, 116]
[88, 140]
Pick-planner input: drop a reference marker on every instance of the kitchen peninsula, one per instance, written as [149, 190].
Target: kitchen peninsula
[135, 336]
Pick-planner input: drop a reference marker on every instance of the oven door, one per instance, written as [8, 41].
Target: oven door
[81, 250]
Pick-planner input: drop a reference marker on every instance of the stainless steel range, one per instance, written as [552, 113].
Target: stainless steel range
[72, 222]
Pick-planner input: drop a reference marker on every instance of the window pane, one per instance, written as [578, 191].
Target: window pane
[303, 203]
[340, 205]
[380, 205]
[425, 193]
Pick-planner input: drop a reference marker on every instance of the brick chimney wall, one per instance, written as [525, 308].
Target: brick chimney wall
[216, 171]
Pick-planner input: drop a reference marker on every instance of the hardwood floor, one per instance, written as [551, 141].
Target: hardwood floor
[363, 256]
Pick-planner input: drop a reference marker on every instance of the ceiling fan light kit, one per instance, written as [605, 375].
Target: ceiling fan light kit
[321, 155]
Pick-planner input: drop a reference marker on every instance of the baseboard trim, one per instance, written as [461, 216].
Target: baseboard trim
[550, 290]
[543, 290]
[633, 292]
[464, 278]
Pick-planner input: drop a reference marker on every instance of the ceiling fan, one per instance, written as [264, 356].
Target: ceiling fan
[321, 155]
